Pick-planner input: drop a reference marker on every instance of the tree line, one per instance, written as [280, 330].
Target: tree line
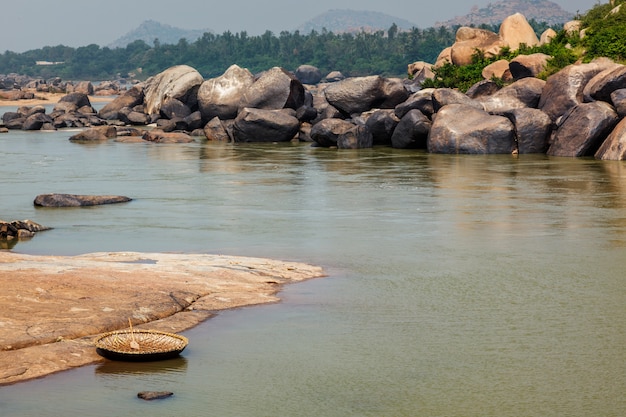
[385, 53]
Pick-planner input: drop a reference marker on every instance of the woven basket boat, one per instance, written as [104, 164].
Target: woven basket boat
[140, 345]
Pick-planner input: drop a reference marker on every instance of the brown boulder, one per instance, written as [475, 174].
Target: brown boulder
[603, 84]
[515, 31]
[468, 40]
[583, 130]
[131, 98]
[100, 133]
[532, 129]
[499, 69]
[356, 95]
[523, 93]
[523, 66]
[614, 147]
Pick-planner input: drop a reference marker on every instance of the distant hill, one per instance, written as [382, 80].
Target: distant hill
[350, 21]
[150, 30]
[494, 13]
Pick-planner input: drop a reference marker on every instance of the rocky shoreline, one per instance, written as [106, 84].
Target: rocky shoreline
[52, 307]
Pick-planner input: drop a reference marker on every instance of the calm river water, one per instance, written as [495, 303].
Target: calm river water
[457, 285]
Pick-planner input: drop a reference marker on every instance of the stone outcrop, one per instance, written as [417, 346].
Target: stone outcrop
[275, 89]
[77, 200]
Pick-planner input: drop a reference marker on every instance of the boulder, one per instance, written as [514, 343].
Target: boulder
[468, 40]
[412, 131]
[36, 121]
[381, 124]
[515, 31]
[261, 125]
[499, 69]
[193, 121]
[77, 99]
[159, 136]
[603, 84]
[334, 76]
[220, 97]
[308, 74]
[75, 200]
[547, 36]
[481, 89]
[444, 57]
[327, 132]
[583, 130]
[444, 96]
[618, 98]
[421, 100]
[154, 395]
[394, 92]
[100, 133]
[84, 87]
[564, 90]
[133, 117]
[172, 108]
[19, 229]
[358, 137]
[463, 129]
[215, 130]
[131, 98]
[523, 93]
[523, 66]
[532, 129]
[419, 67]
[180, 82]
[275, 89]
[356, 95]
[614, 147]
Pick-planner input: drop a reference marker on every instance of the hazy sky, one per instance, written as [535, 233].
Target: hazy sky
[79, 22]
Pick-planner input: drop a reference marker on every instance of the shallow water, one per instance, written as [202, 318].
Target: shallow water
[457, 285]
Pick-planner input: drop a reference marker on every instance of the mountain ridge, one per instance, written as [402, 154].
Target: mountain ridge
[149, 30]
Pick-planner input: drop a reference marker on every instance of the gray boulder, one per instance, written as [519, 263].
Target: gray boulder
[524, 93]
[444, 96]
[76, 200]
[220, 97]
[381, 123]
[172, 108]
[614, 147]
[36, 121]
[421, 100]
[131, 98]
[326, 132]
[412, 131]
[77, 99]
[358, 137]
[356, 95]
[532, 129]
[564, 90]
[308, 74]
[275, 89]
[583, 130]
[604, 84]
[394, 92]
[618, 98]
[523, 66]
[481, 89]
[260, 125]
[463, 129]
[215, 130]
[180, 82]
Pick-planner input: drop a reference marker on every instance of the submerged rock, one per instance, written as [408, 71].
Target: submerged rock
[73, 200]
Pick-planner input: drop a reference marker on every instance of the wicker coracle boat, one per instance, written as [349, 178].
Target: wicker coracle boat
[140, 345]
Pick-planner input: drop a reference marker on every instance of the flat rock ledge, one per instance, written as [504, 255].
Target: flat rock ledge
[77, 200]
[53, 307]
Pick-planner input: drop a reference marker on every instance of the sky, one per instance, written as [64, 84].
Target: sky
[79, 23]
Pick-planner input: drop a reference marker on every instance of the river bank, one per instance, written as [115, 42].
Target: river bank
[52, 307]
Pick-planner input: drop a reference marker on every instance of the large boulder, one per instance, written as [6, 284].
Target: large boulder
[499, 69]
[523, 66]
[394, 92]
[308, 74]
[602, 85]
[521, 94]
[261, 125]
[275, 89]
[326, 132]
[412, 131]
[215, 130]
[381, 123]
[76, 200]
[564, 90]
[220, 97]
[468, 40]
[421, 100]
[515, 31]
[532, 129]
[463, 129]
[356, 95]
[358, 137]
[583, 130]
[618, 98]
[36, 121]
[444, 96]
[131, 98]
[172, 108]
[614, 147]
[180, 82]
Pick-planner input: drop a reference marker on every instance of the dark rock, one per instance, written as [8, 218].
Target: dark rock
[524, 66]
[326, 133]
[36, 121]
[306, 113]
[604, 84]
[308, 74]
[275, 89]
[220, 97]
[74, 200]
[618, 98]
[356, 95]
[444, 96]
[172, 108]
[463, 129]
[394, 92]
[77, 99]
[532, 129]
[482, 89]
[95, 134]
[412, 131]
[260, 125]
[193, 121]
[381, 124]
[614, 147]
[524, 93]
[421, 100]
[215, 130]
[358, 137]
[130, 99]
[154, 395]
[583, 130]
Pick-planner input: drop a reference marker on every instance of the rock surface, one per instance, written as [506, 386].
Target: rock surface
[76, 200]
[52, 307]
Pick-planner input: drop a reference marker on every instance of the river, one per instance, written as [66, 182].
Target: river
[457, 285]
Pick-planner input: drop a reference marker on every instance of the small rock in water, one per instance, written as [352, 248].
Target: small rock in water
[154, 395]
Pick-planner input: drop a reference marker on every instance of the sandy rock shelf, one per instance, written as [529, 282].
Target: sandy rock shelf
[52, 307]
